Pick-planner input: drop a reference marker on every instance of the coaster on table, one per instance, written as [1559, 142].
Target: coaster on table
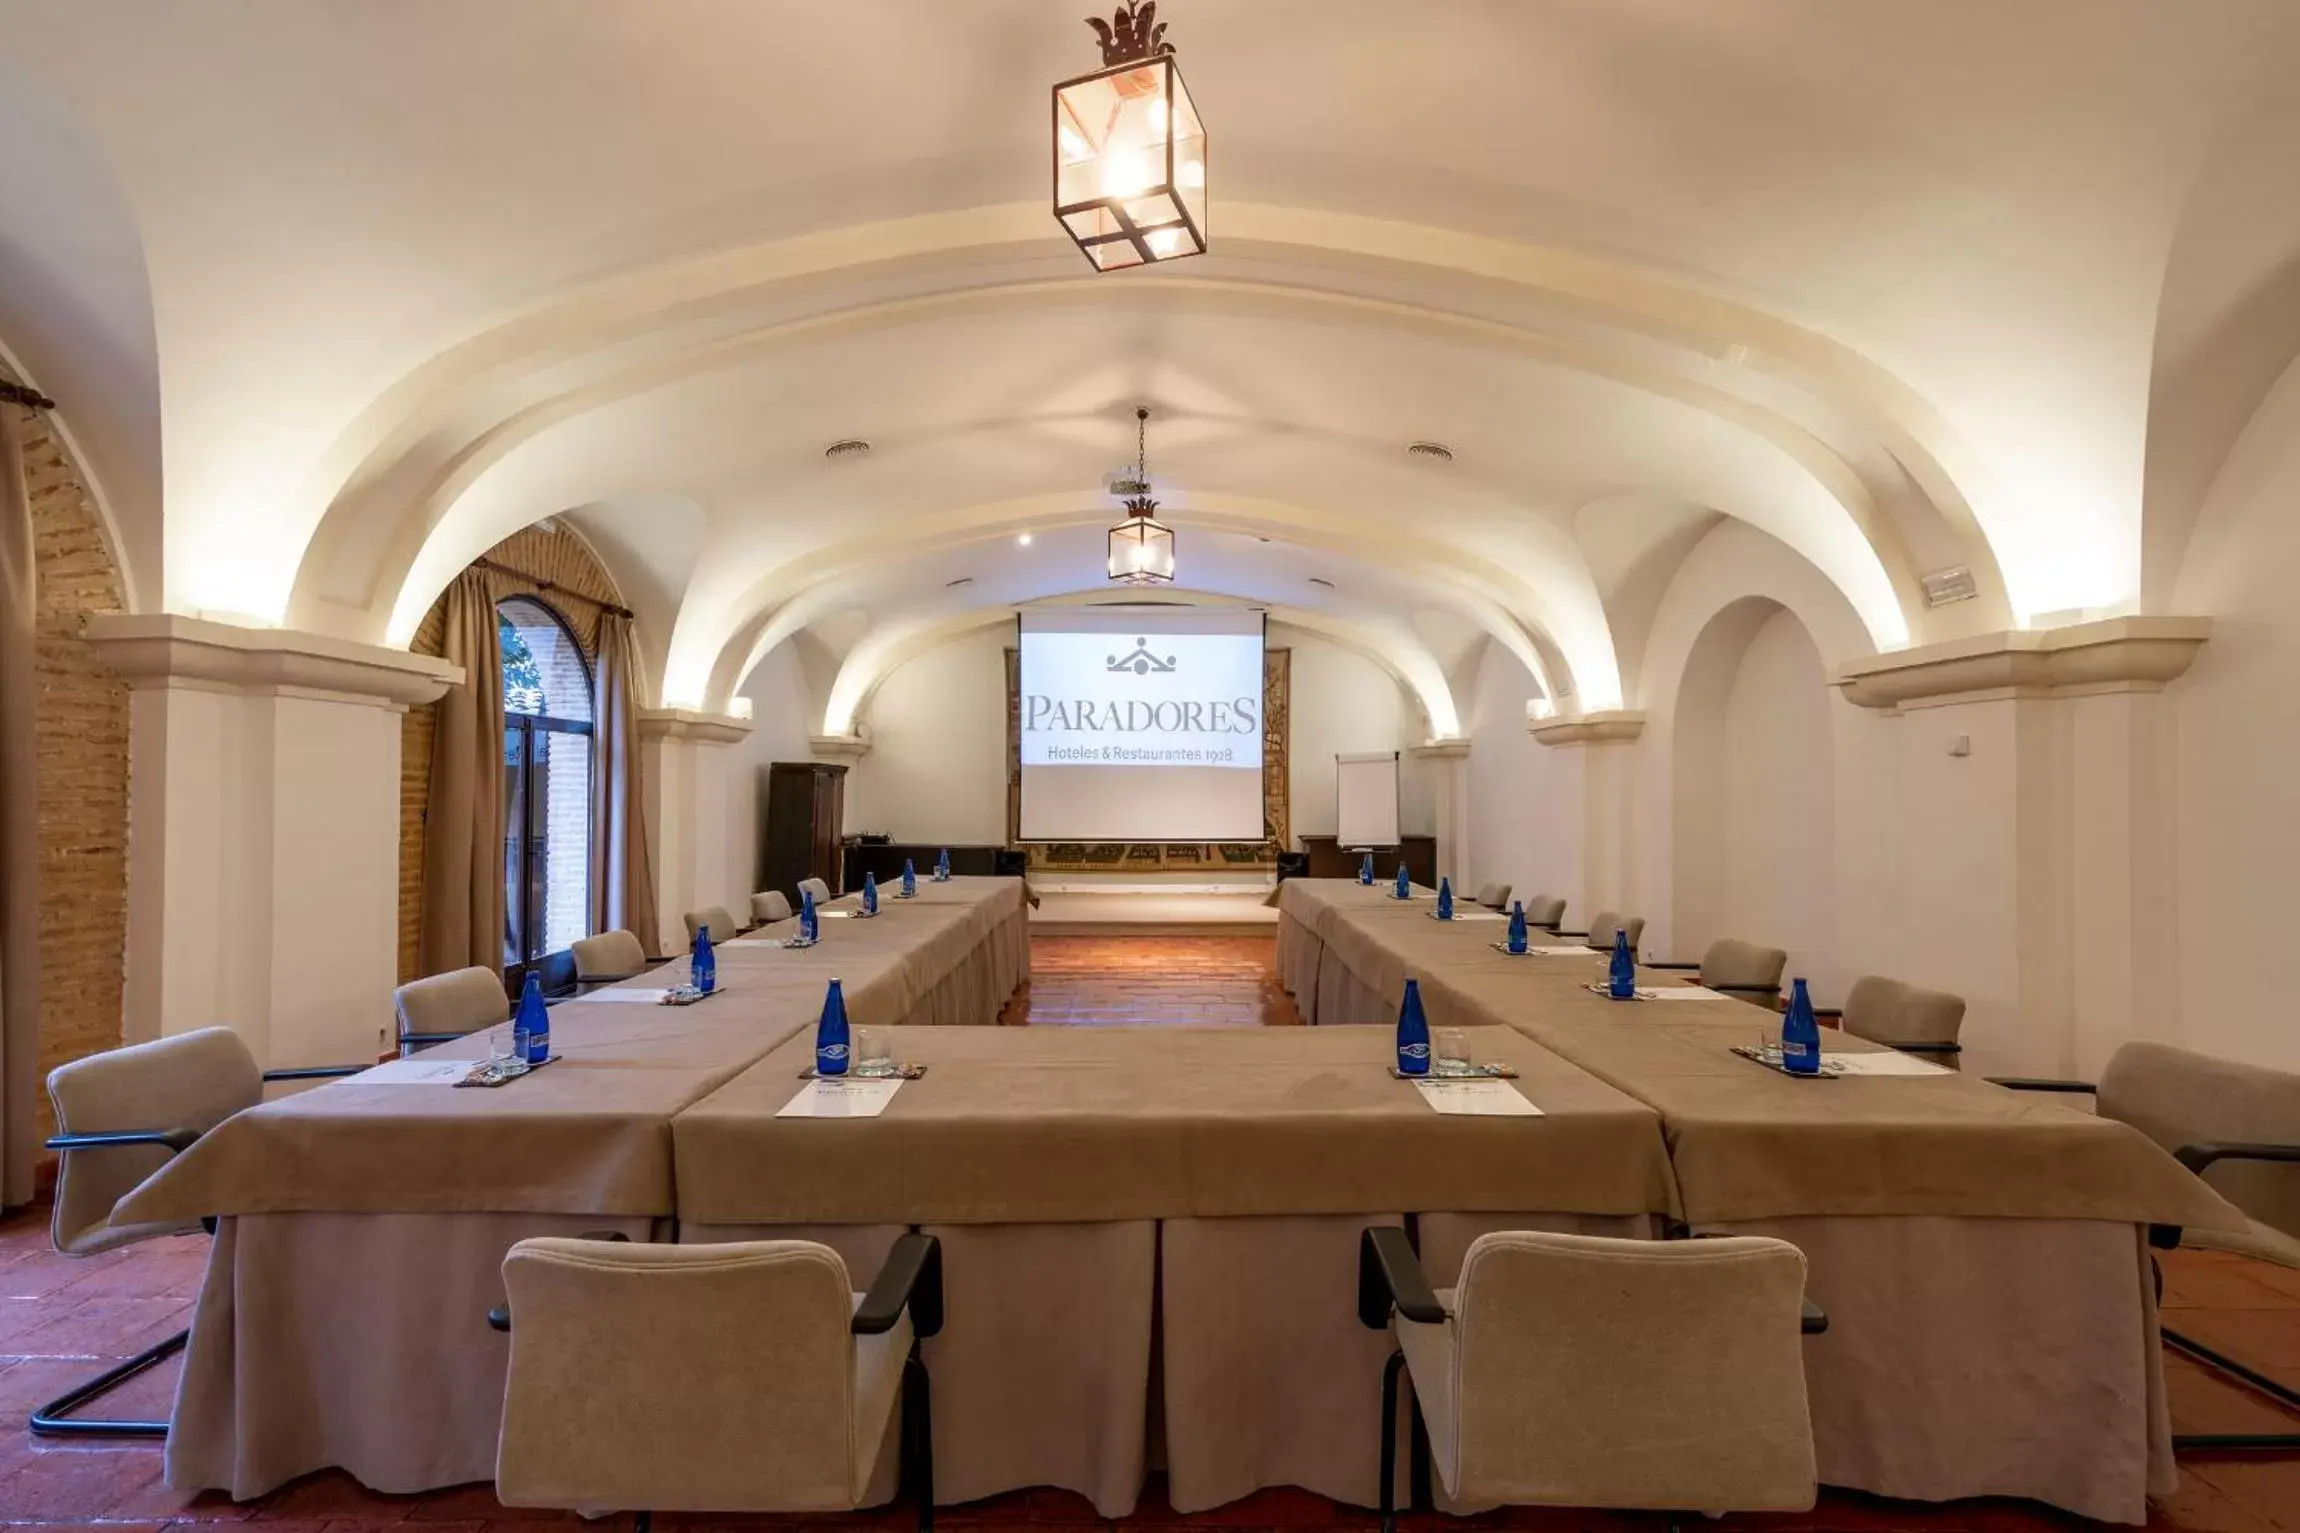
[1641, 993]
[1503, 948]
[688, 995]
[1488, 1072]
[901, 1072]
[800, 941]
[1771, 1060]
[493, 1072]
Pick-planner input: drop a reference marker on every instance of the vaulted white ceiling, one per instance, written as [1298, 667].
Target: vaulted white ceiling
[1883, 281]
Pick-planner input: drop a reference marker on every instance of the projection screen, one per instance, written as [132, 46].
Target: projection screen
[1141, 725]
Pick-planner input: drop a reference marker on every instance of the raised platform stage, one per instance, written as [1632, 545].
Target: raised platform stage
[1094, 908]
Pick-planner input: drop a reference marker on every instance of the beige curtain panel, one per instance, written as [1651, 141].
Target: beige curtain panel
[622, 875]
[463, 830]
[19, 833]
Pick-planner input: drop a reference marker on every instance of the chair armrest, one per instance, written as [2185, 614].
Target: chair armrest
[177, 1140]
[1933, 1048]
[1650, 964]
[2032, 1083]
[910, 1278]
[315, 1072]
[1390, 1274]
[1736, 989]
[2198, 1156]
[1559, 931]
[426, 1040]
[1822, 1013]
[1815, 1320]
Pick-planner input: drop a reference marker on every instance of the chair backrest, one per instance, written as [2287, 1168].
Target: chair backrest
[1631, 1373]
[460, 1001]
[770, 905]
[1605, 923]
[1887, 1011]
[1493, 896]
[1730, 961]
[2179, 1097]
[722, 924]
[1546, 910]
[669, 1377]
[816, 887]
[190, 1081]
[610, 954]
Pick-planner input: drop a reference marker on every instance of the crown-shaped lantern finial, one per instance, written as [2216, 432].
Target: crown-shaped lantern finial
[1132, 32]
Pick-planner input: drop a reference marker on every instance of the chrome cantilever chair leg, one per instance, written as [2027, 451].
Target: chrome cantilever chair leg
[2250, 1379]
[55, 1419]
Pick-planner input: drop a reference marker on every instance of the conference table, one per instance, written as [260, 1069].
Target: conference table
[362, 1225]
[1982, 1254]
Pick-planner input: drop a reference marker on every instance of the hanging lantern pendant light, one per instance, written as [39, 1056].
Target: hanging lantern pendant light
[1129, 150]
[1141, 547]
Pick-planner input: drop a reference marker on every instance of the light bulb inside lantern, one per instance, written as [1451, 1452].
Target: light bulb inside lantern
[1125, 174]
[1157, 116]
[1191, 173]
[1075, 148]
[1165, 241]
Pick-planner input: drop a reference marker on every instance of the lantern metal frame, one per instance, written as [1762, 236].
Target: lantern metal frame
[1132, 44]
[1141, 529]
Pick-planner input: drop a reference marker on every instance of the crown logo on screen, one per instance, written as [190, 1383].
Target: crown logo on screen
[1140, 661]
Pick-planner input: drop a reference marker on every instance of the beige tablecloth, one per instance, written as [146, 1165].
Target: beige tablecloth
[342, 1320]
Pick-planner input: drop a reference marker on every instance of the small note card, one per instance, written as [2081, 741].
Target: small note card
[850, 1098]
[1555, 951]
[1884, 1062]
[1681, 993]
[627, 995]
[1476, 1099]
[414, 1072]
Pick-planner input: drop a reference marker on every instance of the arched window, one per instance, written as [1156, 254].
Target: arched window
[546, 782]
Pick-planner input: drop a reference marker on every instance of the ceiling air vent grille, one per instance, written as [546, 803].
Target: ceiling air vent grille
[1953, 584]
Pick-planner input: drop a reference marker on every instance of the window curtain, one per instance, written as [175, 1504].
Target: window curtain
[622, 875]
[19, 833]
[463, 829]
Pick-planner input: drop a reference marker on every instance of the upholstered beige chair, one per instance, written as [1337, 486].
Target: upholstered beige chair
[610, 955]
[2238, 1127]
[1572, 1370]
[746, 1377]
[1603, 925]
[449, 1006]
[1546, 911]
[1493, 896]
[120, 1116]
[816, 887]
[722, 925]
[1739, 969]
[1906, 1017]
[769, 905]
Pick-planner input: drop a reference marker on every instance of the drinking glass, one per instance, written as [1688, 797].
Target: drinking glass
[875, 1048]
[1452, 1051]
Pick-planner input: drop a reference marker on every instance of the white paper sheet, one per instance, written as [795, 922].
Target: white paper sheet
[1889, 1062]
[1460, 914]
[841, 1099]
[627, 995]
[1477, 1099]
[414, 1072]
[1555, 951]
[1681, 993]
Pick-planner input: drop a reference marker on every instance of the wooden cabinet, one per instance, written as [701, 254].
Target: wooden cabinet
[1418, 853]
[804, 810]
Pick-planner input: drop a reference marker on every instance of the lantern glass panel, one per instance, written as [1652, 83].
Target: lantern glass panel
[1141, 552]
[1130, 164]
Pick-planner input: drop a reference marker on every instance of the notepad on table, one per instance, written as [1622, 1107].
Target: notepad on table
[1476, 1099]
[627, 995]
[841, 1099]
[414, 1072]
[1885, 1062]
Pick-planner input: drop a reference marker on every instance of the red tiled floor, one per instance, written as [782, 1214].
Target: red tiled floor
[61, 1321]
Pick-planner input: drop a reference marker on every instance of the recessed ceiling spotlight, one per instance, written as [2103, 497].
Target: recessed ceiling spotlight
[963, 580]
[846, 447]
[1320, 580]
[1435, 452]
[1023, 539]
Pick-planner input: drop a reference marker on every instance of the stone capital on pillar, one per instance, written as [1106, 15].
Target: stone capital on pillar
[2125, 654]
[1588, 728]
[690, 725]
[839, 748]
[263, 840]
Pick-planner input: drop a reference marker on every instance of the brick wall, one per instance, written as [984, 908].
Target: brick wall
[81, 715]
[556, 555]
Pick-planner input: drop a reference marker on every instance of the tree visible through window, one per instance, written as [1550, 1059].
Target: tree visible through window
[546, 782]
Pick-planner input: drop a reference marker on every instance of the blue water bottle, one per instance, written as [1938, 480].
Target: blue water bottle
[870, 894]
[1800, 1034]
[1413, 1033]
[1366, 871]
[831, 1033]
[909, 880]
[942, 866]
[1621, 978]
[531, 1031]
[1445, 899]
[706, 961]
[810, 924]
[1404, 888]
[1517, 926]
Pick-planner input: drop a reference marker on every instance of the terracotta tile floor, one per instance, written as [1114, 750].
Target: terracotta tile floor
[61, 1321]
